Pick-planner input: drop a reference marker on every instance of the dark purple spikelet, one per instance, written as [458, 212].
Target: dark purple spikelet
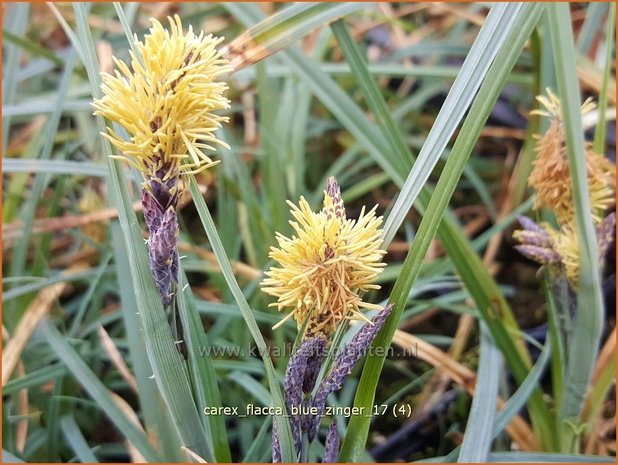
[605, 234]
[163, 256]
[314, 362]
[533, 238]
[343, 364]
[334, 191]
[307, 420]
[152, 211]
[541, 255]
[295, 379]
[276, 446]
[331, 445]
[535, 243]
[530, 225]
[159, 203]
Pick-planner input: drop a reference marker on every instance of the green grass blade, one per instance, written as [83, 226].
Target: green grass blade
[202, 371]
[17, 26]
[76, 439]
[592, 23]
[283, 425]
[445, 73]
[31, 47]
[496, 28]
[19, 256]
[477, 438]
[98, 392]
[597, 396]
[68, 30]
[157, 422]
[254, 453]
[7, 457]
[599, 134]
[127, 31]
[92, 286]
[516, 402]
[34, 378]
[252, 387]
[587, 328]
[433, 215]
[270, 139]
[169, 371]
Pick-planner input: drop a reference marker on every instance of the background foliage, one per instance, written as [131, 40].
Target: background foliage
[420, 108]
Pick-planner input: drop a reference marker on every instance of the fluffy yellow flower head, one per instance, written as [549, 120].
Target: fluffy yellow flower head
[566, 245]
[550, 174]
[329, 264]
[166, 101]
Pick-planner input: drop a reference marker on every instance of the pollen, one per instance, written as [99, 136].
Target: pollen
[550, 174]
[166, 101]
[325, 268]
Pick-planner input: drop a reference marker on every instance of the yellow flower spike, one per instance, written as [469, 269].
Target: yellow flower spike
[165, 101]
[550, 174]
[325, 268]
[566, 245]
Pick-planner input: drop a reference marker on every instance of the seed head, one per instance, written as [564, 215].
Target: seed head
[324, 270]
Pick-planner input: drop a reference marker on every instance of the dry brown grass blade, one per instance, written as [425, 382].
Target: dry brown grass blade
[14, 231]
[39, 308]
[21, 429]
[240, 268]
[518, 429]
[116, 358]
[457, 12]
[136, 456]
[243, 52]
[591, 78]
[47, 225]
[606, 356]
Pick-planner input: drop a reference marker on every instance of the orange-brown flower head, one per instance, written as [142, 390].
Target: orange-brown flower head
[550, 174]
[324, 270]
